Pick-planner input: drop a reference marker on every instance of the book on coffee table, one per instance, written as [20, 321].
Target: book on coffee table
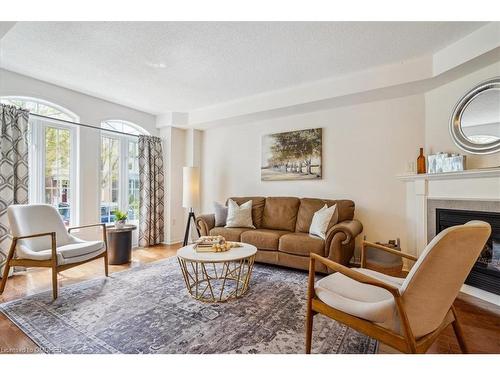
[213, 244]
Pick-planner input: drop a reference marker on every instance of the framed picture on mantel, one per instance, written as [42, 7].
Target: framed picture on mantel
[294, 155]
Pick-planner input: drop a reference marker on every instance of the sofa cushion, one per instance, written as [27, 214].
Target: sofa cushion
[257, 208]
[308, 206]
[301, 244]
[230, 234]
[263, 239]
[280, 213]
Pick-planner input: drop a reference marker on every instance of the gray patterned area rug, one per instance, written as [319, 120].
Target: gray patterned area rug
[148, 310]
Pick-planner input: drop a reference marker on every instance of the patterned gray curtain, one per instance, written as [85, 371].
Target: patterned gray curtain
[151, 191]
[14, 175]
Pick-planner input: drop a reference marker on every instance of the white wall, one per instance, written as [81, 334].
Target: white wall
[90, 110]
[174, 150]
[364, 147]
[439, 104]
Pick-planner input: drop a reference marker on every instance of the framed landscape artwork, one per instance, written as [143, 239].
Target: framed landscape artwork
[294, 155]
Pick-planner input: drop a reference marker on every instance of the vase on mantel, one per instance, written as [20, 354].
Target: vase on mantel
[421, 162]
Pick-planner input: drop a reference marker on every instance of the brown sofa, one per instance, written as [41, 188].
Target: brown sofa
[282, 230]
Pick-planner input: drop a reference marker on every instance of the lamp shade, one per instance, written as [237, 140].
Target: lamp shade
[190, 187]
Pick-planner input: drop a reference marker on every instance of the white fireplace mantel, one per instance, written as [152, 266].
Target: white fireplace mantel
[471, 185]
[471, 173]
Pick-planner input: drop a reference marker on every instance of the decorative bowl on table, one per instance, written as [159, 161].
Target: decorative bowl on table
[214, 244]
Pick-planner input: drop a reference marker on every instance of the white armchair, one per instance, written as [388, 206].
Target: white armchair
[40, 239]
[405, 313]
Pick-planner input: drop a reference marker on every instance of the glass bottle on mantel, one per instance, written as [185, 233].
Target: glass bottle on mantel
[421, 162]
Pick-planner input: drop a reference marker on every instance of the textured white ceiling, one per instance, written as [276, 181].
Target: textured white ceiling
[181, 66]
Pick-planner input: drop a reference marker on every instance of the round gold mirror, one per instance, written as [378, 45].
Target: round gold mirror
[475, 122]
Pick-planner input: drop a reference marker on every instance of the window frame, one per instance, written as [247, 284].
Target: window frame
[123, 178]
[120, 173]
[139, 129]
[37, 153]
[71, 116]
[37, 193]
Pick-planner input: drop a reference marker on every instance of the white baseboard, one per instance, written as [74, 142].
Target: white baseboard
[172, 242]
[481, 294]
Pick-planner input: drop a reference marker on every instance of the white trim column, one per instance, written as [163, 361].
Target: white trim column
[421, 190]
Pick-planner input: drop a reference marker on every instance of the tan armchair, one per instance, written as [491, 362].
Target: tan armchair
[40, 239]
[407, 314]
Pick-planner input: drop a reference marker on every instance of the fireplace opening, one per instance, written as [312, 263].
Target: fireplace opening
[486, 271]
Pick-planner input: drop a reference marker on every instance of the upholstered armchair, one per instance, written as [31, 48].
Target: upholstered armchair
[408, 313]
[40, 239]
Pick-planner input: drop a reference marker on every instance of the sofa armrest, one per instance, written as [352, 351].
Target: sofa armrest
[204, 223]
[339, 244]
[350, 228]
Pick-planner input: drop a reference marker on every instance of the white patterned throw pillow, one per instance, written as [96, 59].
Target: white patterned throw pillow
[320, 221]
[239, 216]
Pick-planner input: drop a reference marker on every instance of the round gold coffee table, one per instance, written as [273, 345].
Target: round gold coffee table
[217, 277]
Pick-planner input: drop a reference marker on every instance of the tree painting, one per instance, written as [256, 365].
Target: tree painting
[292, 155]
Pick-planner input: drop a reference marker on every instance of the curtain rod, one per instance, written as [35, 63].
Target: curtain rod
[84, 125]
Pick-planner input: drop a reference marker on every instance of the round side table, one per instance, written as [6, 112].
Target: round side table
[217, 277]
[120, 244]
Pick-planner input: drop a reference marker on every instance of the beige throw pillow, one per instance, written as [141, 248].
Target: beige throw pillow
[320, 221]
[239, 216]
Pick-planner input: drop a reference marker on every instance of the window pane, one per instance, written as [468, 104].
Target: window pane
[57, 159]
[110, 177]
[123, 126]
[38, 107]
[133, 180]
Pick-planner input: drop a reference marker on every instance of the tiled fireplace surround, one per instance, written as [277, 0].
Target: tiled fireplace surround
[473, 190]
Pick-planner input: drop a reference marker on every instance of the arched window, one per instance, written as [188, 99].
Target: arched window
[120, 170]
[52, 155]
[123, 126]
[40, 107]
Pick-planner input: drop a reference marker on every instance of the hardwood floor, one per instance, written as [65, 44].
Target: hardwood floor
[480, 320]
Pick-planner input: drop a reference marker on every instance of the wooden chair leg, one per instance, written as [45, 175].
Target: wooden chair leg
[105, 239]
[458, 332]
[309, 312]
[309, 328]
[6, 269]
[106, 264]
[5, 276]
[54, 282]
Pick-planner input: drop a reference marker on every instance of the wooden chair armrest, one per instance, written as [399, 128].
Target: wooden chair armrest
[358, 276]
[102, 225]
[33, 236]
[383, 248]
[87, 226]
[51, 234]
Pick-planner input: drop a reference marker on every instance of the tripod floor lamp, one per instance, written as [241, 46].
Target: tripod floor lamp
[190, 196]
